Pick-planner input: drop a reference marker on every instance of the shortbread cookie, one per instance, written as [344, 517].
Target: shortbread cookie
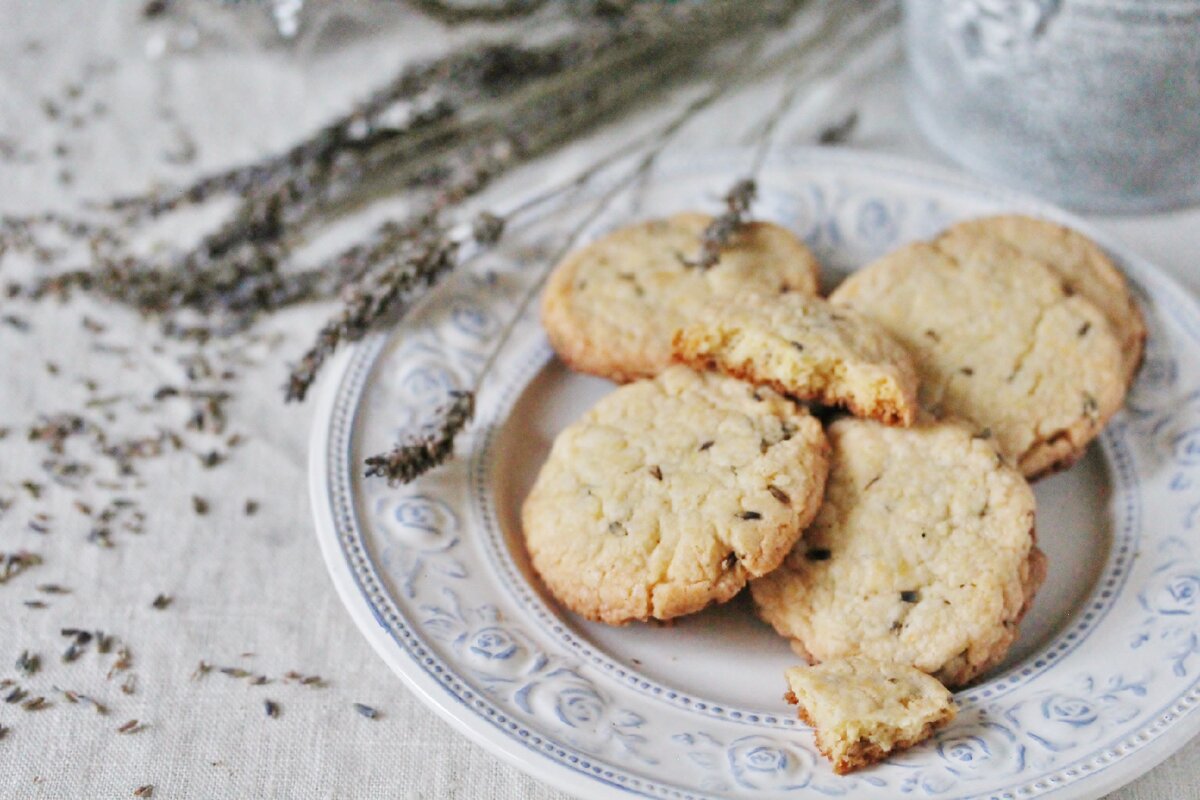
[1083, 266]
[670, 493]
[610, 308]
[922, 553]
[805, 347]
[996, 339]
[863, 711]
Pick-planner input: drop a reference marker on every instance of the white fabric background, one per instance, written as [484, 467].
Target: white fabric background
[256, 585]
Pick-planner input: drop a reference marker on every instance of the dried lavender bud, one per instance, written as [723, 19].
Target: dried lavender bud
[28, 663]
[146, 790]
[409, 460]
[13, 564]
[271, 708]
[779, 494]
[487, 229]
[211, 459]
[251, 508]
[818, 554]
[909, 596]
[840, 131]
[35, 704]
[161, 602]
[124, 661]
[366, 711]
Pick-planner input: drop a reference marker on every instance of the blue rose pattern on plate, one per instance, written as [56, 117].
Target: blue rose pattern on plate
[760, 763]
[509, 664]
[431, 578]
[422, 533]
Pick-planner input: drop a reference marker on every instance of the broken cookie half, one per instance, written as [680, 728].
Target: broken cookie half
[863, 711]
[804, 347]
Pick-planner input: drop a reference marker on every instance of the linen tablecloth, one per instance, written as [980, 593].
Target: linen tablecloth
[94, 102]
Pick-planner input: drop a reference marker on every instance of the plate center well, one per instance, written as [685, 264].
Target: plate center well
[725, 654]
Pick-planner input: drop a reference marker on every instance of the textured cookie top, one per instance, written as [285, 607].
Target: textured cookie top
[863, 710]
[610, 308]
[805, 347]
[920, 553]
[670, 492]
[998, 340]
[1082, 264]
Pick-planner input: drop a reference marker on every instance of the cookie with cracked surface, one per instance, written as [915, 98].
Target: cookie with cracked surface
[996, 339]
[610, 308]
[923, 553]
[670, 493]
[1083, 266]
[863, 711]
[807, 348]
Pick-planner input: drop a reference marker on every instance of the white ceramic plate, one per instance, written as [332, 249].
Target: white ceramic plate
[1102, 685]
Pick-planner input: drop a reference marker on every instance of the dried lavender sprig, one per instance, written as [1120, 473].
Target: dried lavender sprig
[428, 254]
[415, 457]
[722, 229]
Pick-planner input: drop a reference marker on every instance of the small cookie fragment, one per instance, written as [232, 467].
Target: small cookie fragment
[610, 308]
[922, 553]
[1081, 263]
[670, 494]
[997, 339]
[864, 710]
[807, 348]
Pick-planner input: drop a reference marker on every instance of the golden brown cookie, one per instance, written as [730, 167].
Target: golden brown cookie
[611, 307]
[670, 493]
[997, 340]
[922, 553]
